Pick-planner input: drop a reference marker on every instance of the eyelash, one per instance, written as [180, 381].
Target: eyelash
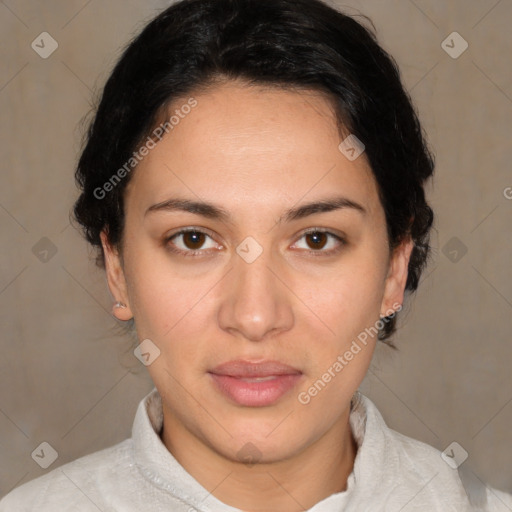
[198, 252]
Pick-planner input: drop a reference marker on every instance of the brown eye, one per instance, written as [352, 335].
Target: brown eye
[318, 239]
[190, 242]
[319, 242]
[193, 239]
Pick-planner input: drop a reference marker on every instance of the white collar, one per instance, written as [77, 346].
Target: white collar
[159, 466]
[390, 469]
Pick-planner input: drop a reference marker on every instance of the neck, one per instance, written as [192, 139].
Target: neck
[294, 484]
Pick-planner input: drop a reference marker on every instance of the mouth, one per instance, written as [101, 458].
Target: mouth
[253, 384]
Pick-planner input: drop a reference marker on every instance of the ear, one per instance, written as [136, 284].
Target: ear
[116, 279]
[397, 277]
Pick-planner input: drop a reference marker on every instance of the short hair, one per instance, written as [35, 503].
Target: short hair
[291, 44]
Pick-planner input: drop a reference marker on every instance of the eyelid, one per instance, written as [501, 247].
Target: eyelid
[341, 239]
[189, 229]
[193, 229]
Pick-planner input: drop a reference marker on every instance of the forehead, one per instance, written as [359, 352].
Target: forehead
[252, 146]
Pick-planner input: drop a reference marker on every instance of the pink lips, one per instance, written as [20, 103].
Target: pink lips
[255, 384]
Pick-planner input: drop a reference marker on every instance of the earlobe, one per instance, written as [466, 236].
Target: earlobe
[116, 280]
[397, 277]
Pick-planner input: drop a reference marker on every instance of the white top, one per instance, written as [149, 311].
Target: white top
[391, 473]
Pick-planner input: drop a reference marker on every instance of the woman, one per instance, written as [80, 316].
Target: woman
[254, 182]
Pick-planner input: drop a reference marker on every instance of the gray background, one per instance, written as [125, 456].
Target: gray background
[69, 378]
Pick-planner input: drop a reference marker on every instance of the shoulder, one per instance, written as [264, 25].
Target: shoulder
[72, 486]
[423, 467]
[414, 459]
[421, 459]
[499, 501]
[414, 474]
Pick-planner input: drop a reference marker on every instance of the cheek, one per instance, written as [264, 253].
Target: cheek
[348, 298]
[171, 302]
[340, 357]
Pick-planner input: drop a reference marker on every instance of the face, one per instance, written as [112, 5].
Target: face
[256, 307]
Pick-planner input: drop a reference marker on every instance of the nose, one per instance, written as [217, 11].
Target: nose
[256, 301]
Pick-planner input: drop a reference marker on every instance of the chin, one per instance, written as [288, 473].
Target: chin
[268, 443]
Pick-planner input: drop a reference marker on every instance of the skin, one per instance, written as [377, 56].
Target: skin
[256, 153]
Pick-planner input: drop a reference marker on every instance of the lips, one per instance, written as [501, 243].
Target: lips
[248, 369]
[254, 384]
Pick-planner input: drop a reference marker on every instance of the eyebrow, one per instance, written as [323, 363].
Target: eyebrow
[215, 212]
